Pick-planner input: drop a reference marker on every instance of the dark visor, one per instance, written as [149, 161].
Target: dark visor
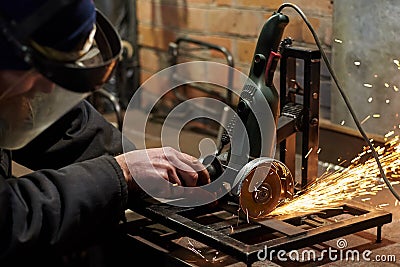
[78, 78]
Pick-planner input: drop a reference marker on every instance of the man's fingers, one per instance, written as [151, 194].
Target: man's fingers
[173, 176]
[190, 163]
[189, 178]
[203, 177]
[192, 171]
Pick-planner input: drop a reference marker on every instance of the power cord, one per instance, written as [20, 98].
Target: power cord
[331, 71]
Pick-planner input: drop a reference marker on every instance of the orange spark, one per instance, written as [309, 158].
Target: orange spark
[361, 178]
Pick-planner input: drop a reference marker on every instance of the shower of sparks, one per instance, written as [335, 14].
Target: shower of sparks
[215, 259]
[342, 122]
[357, 63]
[395, 88]
[397, 62]
[368, 85]
[308, 153]
[361, 178]
[196, 251]
[389, 134]
[370, 99]
[376, 115]
[191, 245]
[387, 85]
[387, 101]
[364, 120]
[338, 41]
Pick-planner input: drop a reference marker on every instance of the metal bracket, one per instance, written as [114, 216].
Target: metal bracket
[299, 116]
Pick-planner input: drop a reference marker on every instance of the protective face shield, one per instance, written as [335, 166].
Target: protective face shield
[31, 100]
[39, 103]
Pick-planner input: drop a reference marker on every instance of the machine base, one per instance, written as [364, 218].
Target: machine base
[219, 235]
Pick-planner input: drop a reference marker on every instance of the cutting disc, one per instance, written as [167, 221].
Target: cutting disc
[265, 185]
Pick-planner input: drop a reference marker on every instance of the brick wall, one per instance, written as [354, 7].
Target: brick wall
[234, 24]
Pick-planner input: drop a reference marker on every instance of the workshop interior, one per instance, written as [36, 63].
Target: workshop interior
[309, 151]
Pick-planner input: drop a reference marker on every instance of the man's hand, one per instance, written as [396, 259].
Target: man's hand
[149, 166]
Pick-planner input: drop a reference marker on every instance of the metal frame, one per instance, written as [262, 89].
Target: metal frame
[175, 53]
[299, 117]
[279, 233]
[176, 50]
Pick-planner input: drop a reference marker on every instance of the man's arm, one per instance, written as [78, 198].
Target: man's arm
[51, 211]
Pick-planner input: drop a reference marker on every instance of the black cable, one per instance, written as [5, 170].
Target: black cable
[331, 71]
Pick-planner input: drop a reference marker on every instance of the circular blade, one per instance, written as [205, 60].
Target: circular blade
[286, 178]
[264, 187]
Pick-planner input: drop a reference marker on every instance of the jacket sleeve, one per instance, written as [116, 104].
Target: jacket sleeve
[61, 209]
[76, 191]
[81, 134]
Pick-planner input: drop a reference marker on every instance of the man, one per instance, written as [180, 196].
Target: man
[53, 54]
